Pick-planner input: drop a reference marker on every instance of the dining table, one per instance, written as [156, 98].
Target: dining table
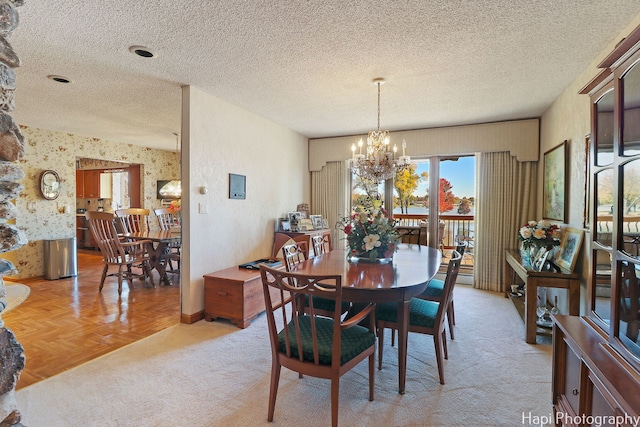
[406, 276]
[159, 241]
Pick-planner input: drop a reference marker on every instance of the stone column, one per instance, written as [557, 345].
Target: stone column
[12, 149]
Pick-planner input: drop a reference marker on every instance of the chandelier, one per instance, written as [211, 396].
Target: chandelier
[379, 162]
[172, 189]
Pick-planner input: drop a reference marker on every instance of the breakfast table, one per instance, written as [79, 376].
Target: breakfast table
[160, 240]
[408, 275]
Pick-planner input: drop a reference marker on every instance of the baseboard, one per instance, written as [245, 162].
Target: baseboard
[191, 318]
[462, 279]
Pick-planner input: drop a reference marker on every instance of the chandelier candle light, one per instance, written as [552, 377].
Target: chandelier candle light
[379, 162]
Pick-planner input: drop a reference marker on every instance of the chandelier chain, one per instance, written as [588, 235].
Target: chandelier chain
[379, 83]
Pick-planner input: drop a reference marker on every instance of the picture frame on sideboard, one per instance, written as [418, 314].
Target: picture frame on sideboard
[569, 248]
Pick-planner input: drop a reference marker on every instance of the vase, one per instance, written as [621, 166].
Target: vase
[527, 255]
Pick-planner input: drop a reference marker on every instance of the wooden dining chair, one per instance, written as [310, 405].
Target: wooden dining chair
[167, 219]
[435, 289]
[310, 344]
[321, 244]
[425, 317]
[134, 220]
[293, 255]
[123, 254]
[630, 300]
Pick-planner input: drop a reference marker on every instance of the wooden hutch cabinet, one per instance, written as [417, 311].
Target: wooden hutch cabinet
[596, 357]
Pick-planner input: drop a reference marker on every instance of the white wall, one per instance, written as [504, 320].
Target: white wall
[219, 138]
[520, 137]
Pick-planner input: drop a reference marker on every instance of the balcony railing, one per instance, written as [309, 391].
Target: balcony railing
[456, 228]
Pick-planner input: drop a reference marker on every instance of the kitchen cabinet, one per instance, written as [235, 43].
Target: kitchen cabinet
[93, 184]
[80, 184]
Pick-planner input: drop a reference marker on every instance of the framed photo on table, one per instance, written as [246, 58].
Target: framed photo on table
[540, 259]
[569, 248]
[305, 224]
[317, 221]
[554, 185]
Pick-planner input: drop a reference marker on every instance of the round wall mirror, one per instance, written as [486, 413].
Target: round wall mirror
[50, 184]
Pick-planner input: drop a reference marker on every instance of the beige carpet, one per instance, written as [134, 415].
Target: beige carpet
[16, 294]
[213, 374]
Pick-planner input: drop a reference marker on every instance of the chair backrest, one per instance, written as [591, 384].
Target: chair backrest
[104, 232]
[449, 282]
[294, 254]
[285, 294]
[629, 293]
[322, 244]
[134, 220]
[166, 218]
[441, 226]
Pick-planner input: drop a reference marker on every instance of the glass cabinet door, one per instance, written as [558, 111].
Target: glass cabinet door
[604, 185]
[630, 209]
[631, 116]
[629, 305]
[604, 129]
[601, 298]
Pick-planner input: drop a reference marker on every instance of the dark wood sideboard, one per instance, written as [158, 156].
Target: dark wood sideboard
[533, 280]
[590, 377]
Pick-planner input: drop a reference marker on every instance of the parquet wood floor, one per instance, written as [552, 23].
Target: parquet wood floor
[67, 322]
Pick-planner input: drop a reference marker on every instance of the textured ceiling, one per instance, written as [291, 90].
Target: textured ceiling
[306, 65]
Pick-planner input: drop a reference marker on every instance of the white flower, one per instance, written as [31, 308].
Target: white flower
[544, 224]
[525, 232]
[371, 241]
[532, 223]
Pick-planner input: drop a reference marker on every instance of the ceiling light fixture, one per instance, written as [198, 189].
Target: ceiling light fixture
[59, 79]
[173, 188]
[145, 52]
[379, 163]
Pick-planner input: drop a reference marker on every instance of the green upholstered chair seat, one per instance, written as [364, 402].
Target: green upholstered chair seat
[325, 304]
[421, 312]
[434, 289]
[353, 340]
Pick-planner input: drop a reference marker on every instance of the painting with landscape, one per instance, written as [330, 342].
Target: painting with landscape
[554, 183]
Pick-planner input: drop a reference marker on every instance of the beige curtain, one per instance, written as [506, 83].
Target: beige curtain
[330, 196]
[505, 201]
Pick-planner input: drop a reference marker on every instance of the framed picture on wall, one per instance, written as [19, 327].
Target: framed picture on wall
[554, 184]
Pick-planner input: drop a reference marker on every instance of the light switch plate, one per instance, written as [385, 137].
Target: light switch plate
[203, 208]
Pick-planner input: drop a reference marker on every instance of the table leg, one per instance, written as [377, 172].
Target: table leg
[530, 315]
[403, 333]
[574, 297]
[155, 257]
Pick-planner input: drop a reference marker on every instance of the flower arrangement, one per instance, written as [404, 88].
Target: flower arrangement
[539, 234]
[370, 233]
[175, 206]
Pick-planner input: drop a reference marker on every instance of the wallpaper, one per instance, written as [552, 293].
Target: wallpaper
[43, 219]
